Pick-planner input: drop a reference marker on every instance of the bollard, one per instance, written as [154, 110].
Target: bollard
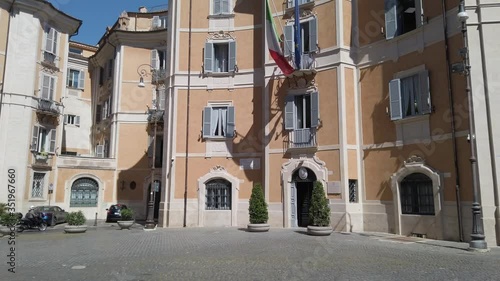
[95, 221]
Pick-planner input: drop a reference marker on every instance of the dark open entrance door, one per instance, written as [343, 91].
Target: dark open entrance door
[156, 199]
[302, 185]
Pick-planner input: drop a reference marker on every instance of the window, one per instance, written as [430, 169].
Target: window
[218, 122]
[402, 16]
[110, 69]
[75, 79]
[72, 119]
[220, 57]
[37, 186]
[409, 96]
[43, 140]
[101, 76]
[308, 37]
[98, 112]
[84, 193]
[353, 191]
[48, 86]
[291, 3]
[159, 59]
[417, 196]
[106, 109]
[302, 111]
[221, 7]
[218, 195]
[75, 51]
[163, 21]
[50, 40]
[159, 22]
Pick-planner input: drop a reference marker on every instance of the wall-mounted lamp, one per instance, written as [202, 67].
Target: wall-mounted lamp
[462, 14]
[141, 83]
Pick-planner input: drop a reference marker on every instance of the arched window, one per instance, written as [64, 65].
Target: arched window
[218, 195]
[84, 193]
[417, 197]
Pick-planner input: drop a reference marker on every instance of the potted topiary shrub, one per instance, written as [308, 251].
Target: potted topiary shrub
[257, 210]
[76, 222]
[127, 219]
[319, 212]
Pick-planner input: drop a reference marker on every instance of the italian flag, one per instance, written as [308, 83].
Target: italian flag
[273, 43]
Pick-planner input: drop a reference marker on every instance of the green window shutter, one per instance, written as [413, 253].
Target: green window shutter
[232, 56]
[313, 35]
[207, 120]
[52, 141]
[391, 19]
[395, 99]
[425, 97]
[314, 109]
[288, 46]
[34, 139]
[230, 122]
[289, 115]
[208, 64]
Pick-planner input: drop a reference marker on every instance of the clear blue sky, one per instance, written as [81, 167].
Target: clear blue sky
[96, 15]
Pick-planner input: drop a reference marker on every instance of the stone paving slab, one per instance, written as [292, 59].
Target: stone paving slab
[106, 253]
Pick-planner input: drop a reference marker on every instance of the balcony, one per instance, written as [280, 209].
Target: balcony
[155, 115]
[301, 139]
[50, 60]
[307, 64]
[42, 161]
[159, 76]
[49, 107]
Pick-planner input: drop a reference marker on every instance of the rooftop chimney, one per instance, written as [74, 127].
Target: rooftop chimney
[143, 9]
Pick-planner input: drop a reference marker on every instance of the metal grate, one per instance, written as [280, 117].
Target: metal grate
[417, 196]
[37, 188]
[84, 193]
[353, 191]
[218, 195]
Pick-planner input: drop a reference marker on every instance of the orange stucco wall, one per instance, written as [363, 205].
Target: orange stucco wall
[106, 176]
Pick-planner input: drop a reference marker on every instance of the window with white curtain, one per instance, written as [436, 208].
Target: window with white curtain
[218, 122]
[410, 95]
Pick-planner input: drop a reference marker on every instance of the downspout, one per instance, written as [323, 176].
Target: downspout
[2, 85]
[453, 128]
[187, 113]
[488, 111]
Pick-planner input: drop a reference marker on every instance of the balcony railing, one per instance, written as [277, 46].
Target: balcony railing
[301, 138]
[155, 115]
[159, 76]
[50, 59]
[48, 106]
[307, 62]
[42, 160]
[291, 3]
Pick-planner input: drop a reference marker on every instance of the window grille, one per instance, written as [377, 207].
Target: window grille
[37, 188]
[353, 191]
[218, 195]
[417, 196]
[84, 193]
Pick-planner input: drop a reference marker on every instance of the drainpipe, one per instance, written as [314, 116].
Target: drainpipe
[453, 128]
[488, 109]
[2, 85]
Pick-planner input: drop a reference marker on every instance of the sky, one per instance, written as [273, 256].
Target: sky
[96, 15]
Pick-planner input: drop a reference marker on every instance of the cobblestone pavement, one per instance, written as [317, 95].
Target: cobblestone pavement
[106, 253]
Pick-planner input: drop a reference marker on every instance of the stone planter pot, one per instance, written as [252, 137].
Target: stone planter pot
[258, 227]
[319, 230]
[75, 228]
[125, 224]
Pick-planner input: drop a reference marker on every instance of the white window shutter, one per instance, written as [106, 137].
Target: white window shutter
[52, 87]
[48, 39]
[156, 22]
[81, 82]
[232, 56]
[68, 78]
[161, 100]
[154, 59]
[395, 99]
[52, 141]
[54, 46]
[65, 119]
[314, 109]
[391, 19]
[34, 139]
[230, 122]
[216, 7]
[208, 64]
[77, 121]
[425, 96]
[100, 151]
[419, 13]
[289, 114]
[288, 45]
[45, 87]
[225, 7]
[207, 120]
[313, 35]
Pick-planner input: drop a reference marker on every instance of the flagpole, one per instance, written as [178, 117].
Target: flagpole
[297, 33]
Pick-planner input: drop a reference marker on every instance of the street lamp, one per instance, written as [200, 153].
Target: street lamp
[477, 242]
[150, 223]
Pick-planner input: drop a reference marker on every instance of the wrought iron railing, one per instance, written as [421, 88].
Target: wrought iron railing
[50, 106]
[301, 138]
[159, 75]
[50, 59]
[307, 62]
[155, 115]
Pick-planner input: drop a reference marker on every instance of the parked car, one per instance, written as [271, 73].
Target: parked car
[52, 214]
[114, 212]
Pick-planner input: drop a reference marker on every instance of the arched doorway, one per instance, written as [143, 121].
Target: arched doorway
[301, 191]
[156, 199]
[84, 193]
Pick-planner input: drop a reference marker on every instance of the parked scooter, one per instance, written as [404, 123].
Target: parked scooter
[36, 222]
